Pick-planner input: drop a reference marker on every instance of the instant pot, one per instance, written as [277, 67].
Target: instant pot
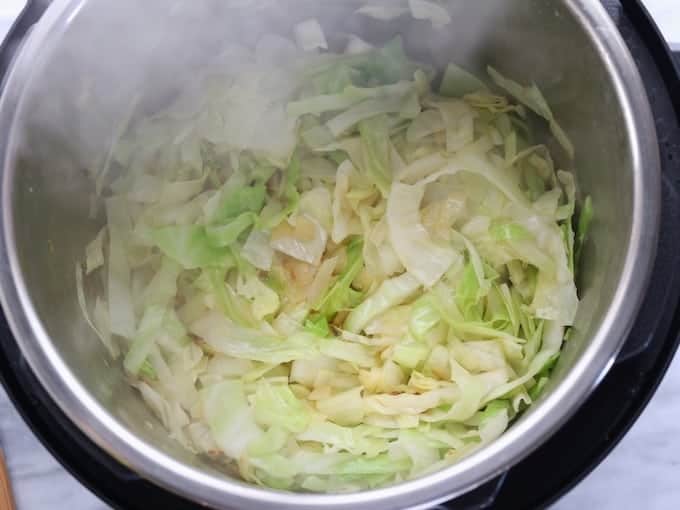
[567, 450]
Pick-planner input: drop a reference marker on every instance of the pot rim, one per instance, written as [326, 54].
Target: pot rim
[515, 444]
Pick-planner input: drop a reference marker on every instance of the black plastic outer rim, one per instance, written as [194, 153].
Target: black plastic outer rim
[668, 65]
[67, 444]
[664, 360]
[31, 13]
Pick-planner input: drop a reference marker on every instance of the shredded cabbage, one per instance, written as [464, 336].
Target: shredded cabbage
[332, 275]
[423, 9]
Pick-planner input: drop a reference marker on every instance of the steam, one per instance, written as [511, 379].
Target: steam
[120, 62]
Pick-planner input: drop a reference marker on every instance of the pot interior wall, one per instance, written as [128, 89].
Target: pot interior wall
[83, 83]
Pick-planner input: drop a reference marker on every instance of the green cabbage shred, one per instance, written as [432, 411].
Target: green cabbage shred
[337, 272]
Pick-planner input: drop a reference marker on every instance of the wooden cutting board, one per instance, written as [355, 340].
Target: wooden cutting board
[6, 500]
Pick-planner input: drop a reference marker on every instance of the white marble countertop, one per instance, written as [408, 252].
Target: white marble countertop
[642, 472]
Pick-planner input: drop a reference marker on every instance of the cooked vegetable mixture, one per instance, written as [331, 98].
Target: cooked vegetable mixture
[336, 271]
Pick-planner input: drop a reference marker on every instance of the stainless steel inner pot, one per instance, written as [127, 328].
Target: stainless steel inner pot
[72, 83]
